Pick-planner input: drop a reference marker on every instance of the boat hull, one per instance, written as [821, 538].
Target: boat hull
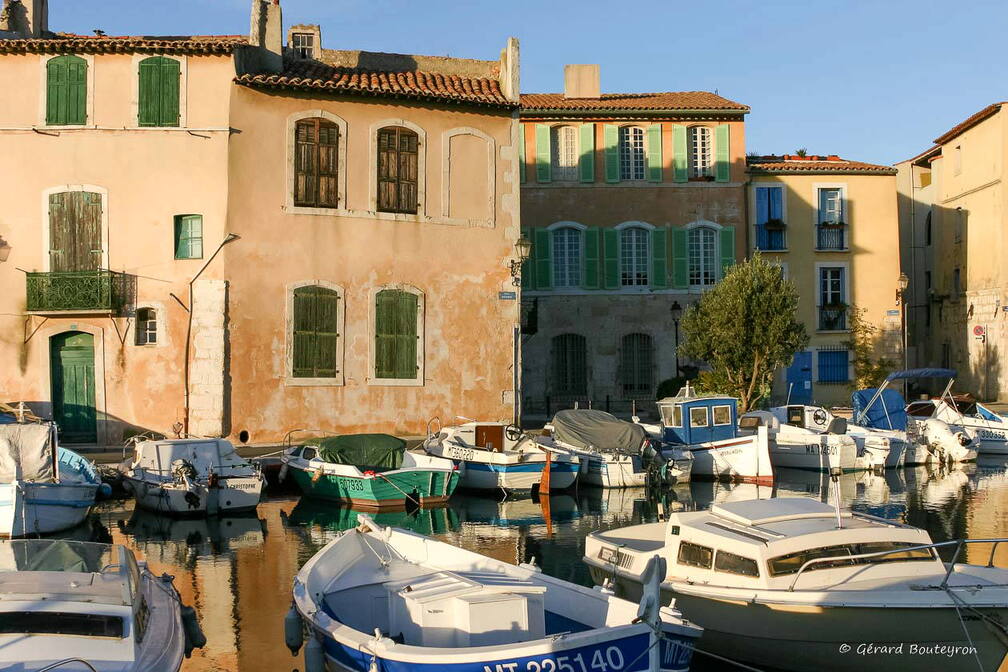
[744, 459]
[230, 495]
[615, 472]
[28, 508]
[517, 477]
[391, 491]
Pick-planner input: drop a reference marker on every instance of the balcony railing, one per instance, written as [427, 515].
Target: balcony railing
[832, 318]
[831, 237]
[770, 238]
[78, 291]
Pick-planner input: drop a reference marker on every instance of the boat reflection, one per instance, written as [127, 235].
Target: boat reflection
[323, 521]
[192, 537]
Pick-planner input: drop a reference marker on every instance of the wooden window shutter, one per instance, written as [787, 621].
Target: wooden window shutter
[544, 168]
[396, 314]
[171, 74]
[680, 259]
[66, 91]
[591, 258]
[722, 149]
[316, 163]
[654, 153]
[543, 261]
[159, 92]
[521, 153]
[586, 161]
[610, 239]
[727, 249]
[610, 136]
[659, 259]
[315, 333]
[680, 157]
[398, 152]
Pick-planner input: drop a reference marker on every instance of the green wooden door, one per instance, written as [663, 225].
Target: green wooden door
[75, 231]
[73, 386]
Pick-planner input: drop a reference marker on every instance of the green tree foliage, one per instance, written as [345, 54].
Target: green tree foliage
[745, 328]
[863, 344]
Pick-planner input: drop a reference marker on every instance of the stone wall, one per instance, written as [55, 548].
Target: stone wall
[206, 372]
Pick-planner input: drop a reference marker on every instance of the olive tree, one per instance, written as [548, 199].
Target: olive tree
[744, 328]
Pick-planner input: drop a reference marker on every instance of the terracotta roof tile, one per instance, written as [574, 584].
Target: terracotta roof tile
[969, 122]
[63, 43]
[316, 76]
[814, 165]
[669, 100]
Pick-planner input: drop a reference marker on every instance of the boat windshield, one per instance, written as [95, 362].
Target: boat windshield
[56, 555]
[792, 562]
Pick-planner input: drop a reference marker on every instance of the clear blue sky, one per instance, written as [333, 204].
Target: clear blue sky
[851, 77]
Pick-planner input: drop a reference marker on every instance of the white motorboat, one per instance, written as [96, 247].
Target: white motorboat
[44, 488]
[614, 453]
[795, 584]
[387, 599]
[990, 430]
[707, 427]
[70, 601]
[878, 441]
[498, 456]
[195, 477]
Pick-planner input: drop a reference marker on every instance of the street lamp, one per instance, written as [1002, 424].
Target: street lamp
[676, 311]
[901, 286]
[523, 246]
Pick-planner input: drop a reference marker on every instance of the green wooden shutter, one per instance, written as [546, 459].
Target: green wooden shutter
[722, 169]
[654, 153]
[586, 162]
[611, 239]
[159, 92]
[659, 259]
[680, 170]
[315, 351]
[591, 259]
[680, 259]
[727, 249]
[611, 138]
[66, 91]
[396, 334]
[541, 254]
[543, 164]
[528, 266]
[521, 153]
[171, 74]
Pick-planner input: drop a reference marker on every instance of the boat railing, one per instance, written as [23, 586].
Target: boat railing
[68, 661]
[958, 543]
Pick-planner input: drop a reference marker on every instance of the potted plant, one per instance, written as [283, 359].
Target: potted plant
[774, 223]
[838, 224]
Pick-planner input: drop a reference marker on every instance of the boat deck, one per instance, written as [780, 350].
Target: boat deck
[645, 538]
[93, 587]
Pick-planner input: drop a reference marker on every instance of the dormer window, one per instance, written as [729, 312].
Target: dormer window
[303, 44]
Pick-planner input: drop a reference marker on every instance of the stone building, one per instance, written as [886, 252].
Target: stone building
[635, 204]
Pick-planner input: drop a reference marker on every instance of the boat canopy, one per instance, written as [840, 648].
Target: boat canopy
[921, 373]
[375, 451]
[887, 412]
[587, 428]
[26, 452]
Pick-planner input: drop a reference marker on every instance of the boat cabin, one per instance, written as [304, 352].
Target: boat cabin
[692, 420]
[206, 456]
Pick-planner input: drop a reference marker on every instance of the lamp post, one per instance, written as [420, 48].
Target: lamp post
[901, 286]
[676, 311]
[523, 247]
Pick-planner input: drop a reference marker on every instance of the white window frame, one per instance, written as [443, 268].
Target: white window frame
[159, 320]
[716, 230]
[695, 168]
[134, 122]
[561, 226]
[714, 422]
[341, 163]
[295, 34]
[648, 228]
[89, 121]
[418, 380]
[844, 212]
[621, 145]
[845, 291]
[46, 257]
[707, 418]
[565, 140]
[289, 378]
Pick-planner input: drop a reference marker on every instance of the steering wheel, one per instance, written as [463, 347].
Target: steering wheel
[819, 416]
[513, 432]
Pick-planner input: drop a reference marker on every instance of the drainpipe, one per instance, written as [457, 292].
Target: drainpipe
[188, 338]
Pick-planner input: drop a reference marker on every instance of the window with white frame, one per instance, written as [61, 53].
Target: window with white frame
[634, 257]
[701, 151]
[564, 153]
[631, 152]
[832, 297]
[146, 326]
[303, 44]
[566, 257]
[703, 256]
[831, 205]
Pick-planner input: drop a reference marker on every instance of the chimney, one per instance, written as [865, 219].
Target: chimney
[509, 64]
[582, 81]
[26, 18]
[267, 34]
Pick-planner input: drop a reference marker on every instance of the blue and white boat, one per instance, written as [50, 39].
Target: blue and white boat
[43, 488]
[387, 599]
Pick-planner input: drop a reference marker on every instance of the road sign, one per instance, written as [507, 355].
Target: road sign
[979, 330]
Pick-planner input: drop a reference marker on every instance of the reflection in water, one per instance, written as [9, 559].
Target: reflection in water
[237, 571]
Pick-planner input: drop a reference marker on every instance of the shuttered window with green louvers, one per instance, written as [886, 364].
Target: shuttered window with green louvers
[159, 91]
[66, 91]
[396, 334]
[316, 335]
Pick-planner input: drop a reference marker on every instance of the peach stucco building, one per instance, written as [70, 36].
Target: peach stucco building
[227, 235]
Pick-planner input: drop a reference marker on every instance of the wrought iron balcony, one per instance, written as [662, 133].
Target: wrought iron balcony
[78, 291]
[770, 237]
[832, 318]
[831, 236]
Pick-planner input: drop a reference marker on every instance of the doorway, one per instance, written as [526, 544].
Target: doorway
[72, 369]
[799, 379]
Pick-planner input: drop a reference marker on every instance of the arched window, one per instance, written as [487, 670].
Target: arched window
[397, 169]
[566, 257]
[160, 78]
[631, 153]
[66, 91]
[315, 332]
[570, 371]
[634, 256]
[637, 366]
[701, 151]
[316, 160]
[146, 326]
[564, 153]
[703, 257]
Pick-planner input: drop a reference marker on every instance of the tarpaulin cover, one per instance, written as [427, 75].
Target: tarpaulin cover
[586, 428]
[26, 452]
[888, 411]
[374, 451]
[921, 373]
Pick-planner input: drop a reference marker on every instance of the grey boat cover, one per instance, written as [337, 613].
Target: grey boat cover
[587, 428]
[26, 452]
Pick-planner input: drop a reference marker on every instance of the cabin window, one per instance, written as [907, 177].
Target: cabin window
[695, 555]
[792, 562]
[309, 453]
[698, 417]
[921, 409]
[735, 564]
[722, 415]
[677, 416]
[56, 623]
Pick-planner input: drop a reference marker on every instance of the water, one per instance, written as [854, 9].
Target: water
[237, 571]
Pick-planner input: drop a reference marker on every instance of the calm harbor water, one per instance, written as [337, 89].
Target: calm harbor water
[237, 571]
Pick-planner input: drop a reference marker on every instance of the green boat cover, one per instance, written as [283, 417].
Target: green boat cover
[377, 452]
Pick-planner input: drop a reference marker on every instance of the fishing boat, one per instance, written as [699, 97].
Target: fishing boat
[70, 605]
[387, 599]
[614, 453]
[989, 429]
[44, 488]
[707, 426]
[498, 456]
[191, 477]
[370, 472]
[792, 583]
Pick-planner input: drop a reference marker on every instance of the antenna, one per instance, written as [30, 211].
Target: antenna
[834, 473]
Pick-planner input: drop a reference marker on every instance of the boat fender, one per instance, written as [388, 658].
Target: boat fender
[316, 476]
[530, 565]
[104, 491]
[314, 657]
[194, 637]
[283, 473]
[293, 630]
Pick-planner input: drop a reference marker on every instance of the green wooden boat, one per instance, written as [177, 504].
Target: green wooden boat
[370, 472]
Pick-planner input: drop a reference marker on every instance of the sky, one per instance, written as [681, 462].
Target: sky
[870, 81]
